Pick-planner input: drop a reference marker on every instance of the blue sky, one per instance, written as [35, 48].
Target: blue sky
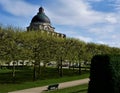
[95, 21]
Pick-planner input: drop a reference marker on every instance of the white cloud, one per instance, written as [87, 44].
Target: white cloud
[101, 42]
[102, 30]
[95, 0]
[79, 13]
[86, 39]
[73, 13]
[18, 7]
[111, 20]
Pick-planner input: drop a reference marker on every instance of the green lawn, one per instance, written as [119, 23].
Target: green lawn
[24, 78]
[75, 89]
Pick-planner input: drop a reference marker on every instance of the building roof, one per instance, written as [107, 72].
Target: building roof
[40, 17]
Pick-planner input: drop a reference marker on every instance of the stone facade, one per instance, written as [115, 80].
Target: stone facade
[40, 26]
[41, 22]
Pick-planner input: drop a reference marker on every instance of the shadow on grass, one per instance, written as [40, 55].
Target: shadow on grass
[21, 76]
[25, 74]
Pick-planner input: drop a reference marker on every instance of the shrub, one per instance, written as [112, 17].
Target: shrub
[105, 74]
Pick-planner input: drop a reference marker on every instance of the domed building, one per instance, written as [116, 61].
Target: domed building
[41, 22]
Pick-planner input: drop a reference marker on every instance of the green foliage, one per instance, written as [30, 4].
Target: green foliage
[17, 44]
[105, 74]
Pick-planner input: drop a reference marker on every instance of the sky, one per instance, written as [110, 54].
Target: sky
[96, 21]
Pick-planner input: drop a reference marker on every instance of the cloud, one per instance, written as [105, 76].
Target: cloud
[94, 0]
[115, 44]
[79, 13]
[111, 19]
[102, 29]
[116, 4]
[86, 39]
[73, 13]
[18, 7]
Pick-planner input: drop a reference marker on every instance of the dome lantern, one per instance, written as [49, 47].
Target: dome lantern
[41, 10]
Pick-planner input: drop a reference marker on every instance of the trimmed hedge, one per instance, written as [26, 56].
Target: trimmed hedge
[105, 74]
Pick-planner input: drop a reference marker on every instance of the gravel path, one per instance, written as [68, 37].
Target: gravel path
[61, 85]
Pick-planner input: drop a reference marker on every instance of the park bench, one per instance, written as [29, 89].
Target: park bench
[53, 86]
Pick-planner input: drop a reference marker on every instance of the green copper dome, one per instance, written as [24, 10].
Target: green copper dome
[40, 17]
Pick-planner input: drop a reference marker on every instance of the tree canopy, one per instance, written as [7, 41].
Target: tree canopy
[21, 45]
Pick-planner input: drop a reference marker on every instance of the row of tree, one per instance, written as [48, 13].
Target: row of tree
[37, 46]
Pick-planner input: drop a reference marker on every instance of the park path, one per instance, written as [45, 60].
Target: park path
[61, 85]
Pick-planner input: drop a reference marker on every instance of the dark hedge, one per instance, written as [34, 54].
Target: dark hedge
[105, 74]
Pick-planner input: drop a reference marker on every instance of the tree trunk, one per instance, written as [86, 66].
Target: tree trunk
[35, 63]
[8, 65]
[39, 70]
[85, 65]
[13, 72]
[61, 70]
[34, 72]
[0, 66]
[73, 67]
[17, 63]
[69, 65]
[58, 67]
[23, 63]
[79, 68]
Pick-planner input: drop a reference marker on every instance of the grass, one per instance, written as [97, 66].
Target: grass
[75, 89]
[24, 78]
